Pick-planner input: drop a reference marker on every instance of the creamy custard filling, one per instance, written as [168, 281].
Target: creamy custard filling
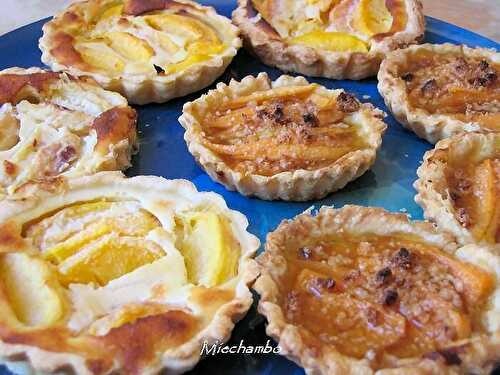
[334, 25]
[475, 193]
[158, 42]
[373, 296]
[284, 129]
[465, 88]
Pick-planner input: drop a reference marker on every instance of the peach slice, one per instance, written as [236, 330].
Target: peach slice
[331, 41]
[372, 17]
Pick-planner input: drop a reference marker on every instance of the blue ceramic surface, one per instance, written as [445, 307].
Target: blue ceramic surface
[163, 152]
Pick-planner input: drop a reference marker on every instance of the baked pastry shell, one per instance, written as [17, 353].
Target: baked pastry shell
[479, 352]
[264, 42]
[433, 193]
[431, 127]
[144, 89]
[297, 185]
[153, 193]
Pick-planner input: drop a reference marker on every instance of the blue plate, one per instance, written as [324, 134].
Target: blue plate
[163, 152]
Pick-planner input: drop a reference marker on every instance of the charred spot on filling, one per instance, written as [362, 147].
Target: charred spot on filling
[407, 77]
[403, 258]
[310, 119]
[159, 69]
[429, 88]
[347, 102]
[449, 356]
[390, 297]
[383, 276]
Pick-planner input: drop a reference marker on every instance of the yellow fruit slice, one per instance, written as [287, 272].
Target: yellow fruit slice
[188, 27]
[32, 289]
[129, 46]
[372, 17]
[101, 58]
[205, 48]
[485, 201]
[186, 63]
[167, 44]
[109, 258]
[113, 11]
[331, 41]
[138, 224]
[209, 250]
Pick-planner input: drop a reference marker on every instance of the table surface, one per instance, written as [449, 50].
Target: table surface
[480, 16]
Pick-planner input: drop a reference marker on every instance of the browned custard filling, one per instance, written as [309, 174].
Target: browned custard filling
[283, 129]
[466, 89]
[475, 192]
[369, 296]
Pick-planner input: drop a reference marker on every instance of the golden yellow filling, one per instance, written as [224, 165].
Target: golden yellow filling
[381, 296]
[334, 25]
[475, 192]
[153, 43]
[283, 129]
[464, 88]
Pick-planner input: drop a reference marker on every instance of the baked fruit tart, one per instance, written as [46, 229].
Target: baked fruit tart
[438, 90]
[341, 39]
[115, 275]
[287, 139]
[458, 186]
[54, 126]
[360, 290]
[148, 50]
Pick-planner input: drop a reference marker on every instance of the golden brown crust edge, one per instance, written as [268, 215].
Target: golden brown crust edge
[178, 360]
[480, 353]
[273, 51]
[143, 89]
[299, 185]
[431, 127]
[432, 190]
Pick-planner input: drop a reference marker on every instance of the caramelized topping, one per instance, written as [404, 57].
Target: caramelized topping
[465, 88]
[283, 129]
[369, 296]
[475, 192]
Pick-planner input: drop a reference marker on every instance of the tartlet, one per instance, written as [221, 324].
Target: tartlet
[439, 90]
[360, 290]
[54, 126]
[147, 50]
[344, 39]
[115, 275]
[458, 186]
[285, 139]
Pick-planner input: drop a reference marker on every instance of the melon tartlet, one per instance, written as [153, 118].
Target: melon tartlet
[114, 275]
[148, 50]
[458, 187]
[344, 39]
[439, 90]
[54, 126]
[287, 139]
[360, 290]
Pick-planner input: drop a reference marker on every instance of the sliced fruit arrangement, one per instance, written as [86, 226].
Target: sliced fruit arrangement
[141, 48]
[54, 126]
[441, 90]
[359, 289]
[286, 139]
[332, 38]
[459, 186]
[111, 263]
